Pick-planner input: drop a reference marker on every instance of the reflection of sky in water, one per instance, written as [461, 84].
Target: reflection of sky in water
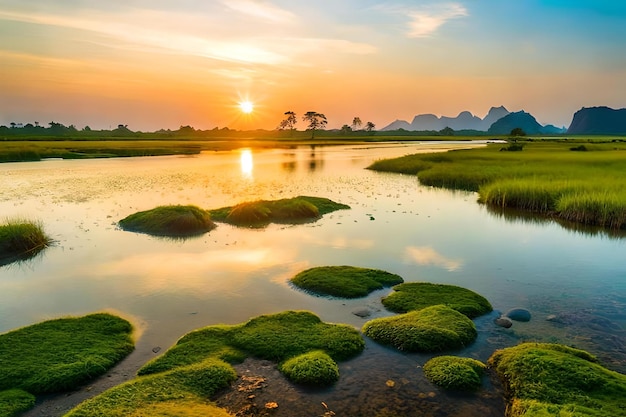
[231, 274]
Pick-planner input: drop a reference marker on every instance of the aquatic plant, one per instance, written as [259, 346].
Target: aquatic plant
[59, 355]
[456, 373]
[417, 295]
[21, 239]
[288, 210]
[169, 221]
[431, 329]
[312, 368]
[543, 379]
[344, 281]
[13, 402]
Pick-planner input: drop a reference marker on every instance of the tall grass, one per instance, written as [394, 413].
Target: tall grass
[21, 239]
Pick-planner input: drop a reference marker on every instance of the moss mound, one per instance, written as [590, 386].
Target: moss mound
[169, 221]
[432, 329]
[313, 368]
[417, 295]
[544, 379]
[15, 401]
[289, 210]
[453, 372]
[21, 240]
[344, 281]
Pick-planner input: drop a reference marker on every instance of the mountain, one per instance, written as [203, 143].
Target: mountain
[598, 121]
[464, 121]
[520, 119]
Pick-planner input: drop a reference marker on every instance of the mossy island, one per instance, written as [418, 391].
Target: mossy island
[543, 379]
[199, 365]
[261, 213]
[417, 295]
[174, 221]
[344, 281]
[455, 373]
[21, 240]
[432, 329]
[58, 355]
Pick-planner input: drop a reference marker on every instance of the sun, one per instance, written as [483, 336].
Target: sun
[246, 106]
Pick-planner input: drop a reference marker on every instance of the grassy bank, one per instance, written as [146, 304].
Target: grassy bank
[551, 178]
[169, 221]
[21, 240]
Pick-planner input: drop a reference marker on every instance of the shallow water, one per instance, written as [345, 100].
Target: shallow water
[230, 274]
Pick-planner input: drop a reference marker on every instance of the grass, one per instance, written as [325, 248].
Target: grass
[417, 295]
[555, 380]
[432, 329]
[13, 402]
[288, 210]
[455, 373]
[344, 281]
[62, 354]
[169, 221]
[546, 178]
[21, 240]
[314, 368]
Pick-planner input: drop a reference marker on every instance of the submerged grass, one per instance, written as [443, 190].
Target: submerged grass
[554, 380]
[546, 177]
[344, 281]
[21, 240]
[288, 210]
[417, 295]
[169, 221]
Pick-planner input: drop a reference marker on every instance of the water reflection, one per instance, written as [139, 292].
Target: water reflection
[247, 163]
[426, 255]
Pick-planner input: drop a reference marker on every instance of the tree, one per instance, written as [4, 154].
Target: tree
[369, 126]
[518, 131]
[316, 121]
[356, 123]
[345, 129]
[447, 131]
[289, 122]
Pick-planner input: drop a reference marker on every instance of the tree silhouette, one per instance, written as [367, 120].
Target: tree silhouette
[289, 122]
[356, 123]
[369, 126]
[316, 121]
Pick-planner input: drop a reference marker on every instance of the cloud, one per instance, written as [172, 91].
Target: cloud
[425, 255]
[426, 22]
[260, 9]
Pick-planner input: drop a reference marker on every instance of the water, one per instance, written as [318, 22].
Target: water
[229, 275]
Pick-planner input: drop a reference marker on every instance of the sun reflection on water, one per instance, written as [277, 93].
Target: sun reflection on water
[247, 163]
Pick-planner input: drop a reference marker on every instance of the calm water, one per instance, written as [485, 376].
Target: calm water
[230, 275]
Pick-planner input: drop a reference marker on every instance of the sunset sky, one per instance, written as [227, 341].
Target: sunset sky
[162, 64]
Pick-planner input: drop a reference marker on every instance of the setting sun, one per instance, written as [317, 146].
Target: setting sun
[246, 106]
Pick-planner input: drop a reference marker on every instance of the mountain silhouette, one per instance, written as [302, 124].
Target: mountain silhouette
[521, 119]
[598, 121]
[464, 121]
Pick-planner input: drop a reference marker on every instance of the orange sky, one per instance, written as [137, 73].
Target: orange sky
[152, 65]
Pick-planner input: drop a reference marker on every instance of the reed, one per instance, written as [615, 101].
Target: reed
[21, 239]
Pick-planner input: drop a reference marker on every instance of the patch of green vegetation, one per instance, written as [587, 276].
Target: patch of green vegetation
[170, 221]
[344, 281]
[544, 379]
[13, 402]
[431, 329]
[182, 391]
[417, 295]
[456, 373]
[288, 210]
[547, 178]
[61, 354]
[314, 368]
[21, 240]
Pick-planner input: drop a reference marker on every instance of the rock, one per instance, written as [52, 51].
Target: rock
[362, 312]
[518, 314]
[503, 322]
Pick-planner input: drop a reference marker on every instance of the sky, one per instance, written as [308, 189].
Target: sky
[153, 64]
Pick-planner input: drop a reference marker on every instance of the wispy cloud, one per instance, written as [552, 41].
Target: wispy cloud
[425, 255]
[427, 21]
[260, 9]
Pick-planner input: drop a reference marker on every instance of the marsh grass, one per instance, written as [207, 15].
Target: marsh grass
[288, 210]
[314, 368]
[545, 178]
[344, 281]
[61, 354]
[417, 295]
[170, 221]
[455, 373]
[13, 402]
[550, 379]
[432, 329]
[21, 239]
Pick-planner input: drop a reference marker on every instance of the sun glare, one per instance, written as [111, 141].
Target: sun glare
[246, 106]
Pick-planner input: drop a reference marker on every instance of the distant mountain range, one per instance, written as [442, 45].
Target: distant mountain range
[524, 121]
[464, 121]
[598, 121]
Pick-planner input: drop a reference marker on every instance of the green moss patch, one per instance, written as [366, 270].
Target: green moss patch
[59, 355]
[312, 368]
[15, 401]
[417, 295]
[169, 221]
[544, 379]
[21, 240]
[344, 281]
[453, 372]
[289, 210]
[432, 329]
